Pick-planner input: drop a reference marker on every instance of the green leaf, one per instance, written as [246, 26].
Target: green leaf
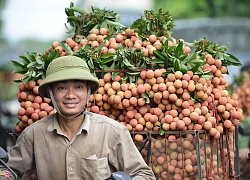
[104, 25]
[189, 44]
[19, 68]
[31, 56]
[33, 74]
[74, 18]
[108, 55]
[106, 60]
[207, 76]
[90, 64]
[133, 73]
[232, 59]
[157, 61]
[31, 65]
[136, 24]
[39, 66]
[160, 54]
[18, 80]
[38, 75]
[79, 10]
[25, 59]
[177, 65]
[146, 97]
[27, 77]
[131, 78]
[39, 60]
[194, 61]
[69, 30]
[114, 74]
[161, 131]
[112, 66]
[52, 55]
[179, 49]
[195, 68]
[128, 64]
[183, 57]
[67, 48]
[110, 18]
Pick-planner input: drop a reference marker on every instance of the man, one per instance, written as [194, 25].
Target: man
[243, 128]
[74, 143]
[8, 104]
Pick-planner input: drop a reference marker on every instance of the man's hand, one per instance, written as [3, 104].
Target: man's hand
[243, 153]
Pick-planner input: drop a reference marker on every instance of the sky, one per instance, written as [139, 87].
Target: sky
[43, 20]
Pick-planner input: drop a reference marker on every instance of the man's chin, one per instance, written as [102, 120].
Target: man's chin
[72, 115]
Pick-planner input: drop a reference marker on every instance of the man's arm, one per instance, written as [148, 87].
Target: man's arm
[130, 159]
[20, 156]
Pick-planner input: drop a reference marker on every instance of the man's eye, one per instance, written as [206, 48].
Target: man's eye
[61, 88]
[78, 87]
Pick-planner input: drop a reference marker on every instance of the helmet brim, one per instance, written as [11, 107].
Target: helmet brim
[59, 72]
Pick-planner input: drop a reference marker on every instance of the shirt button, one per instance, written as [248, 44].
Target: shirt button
[70, 168]
[69, 146]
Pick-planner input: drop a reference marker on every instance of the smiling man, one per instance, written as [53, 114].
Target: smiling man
[74, 143]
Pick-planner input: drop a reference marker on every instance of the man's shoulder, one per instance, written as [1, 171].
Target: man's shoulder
[105, 120]
[36, 128]
[40, 124]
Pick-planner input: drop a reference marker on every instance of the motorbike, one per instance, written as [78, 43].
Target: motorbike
[119, 175]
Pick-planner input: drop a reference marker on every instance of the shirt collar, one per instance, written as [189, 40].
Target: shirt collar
[54, 125]
[85, 124]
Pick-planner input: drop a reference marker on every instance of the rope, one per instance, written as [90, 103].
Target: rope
[224, 171]
[232, 175]
[213, 141]
[222, 159]
[214, 111]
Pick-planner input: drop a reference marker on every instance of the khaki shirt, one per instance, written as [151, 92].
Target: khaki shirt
[100, 147]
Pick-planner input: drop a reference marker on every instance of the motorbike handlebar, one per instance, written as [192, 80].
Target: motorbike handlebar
[4, 159]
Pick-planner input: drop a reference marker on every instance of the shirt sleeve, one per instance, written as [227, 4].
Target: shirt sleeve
[21, 155]
[129, 158]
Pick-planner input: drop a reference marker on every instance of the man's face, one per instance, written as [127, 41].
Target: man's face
[70, 96]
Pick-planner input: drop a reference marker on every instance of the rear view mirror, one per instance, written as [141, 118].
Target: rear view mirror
[3, 155]
[119, 175]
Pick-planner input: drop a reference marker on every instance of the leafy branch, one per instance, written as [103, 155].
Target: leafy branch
[204, 46]
[174, 59]
[158, 23]
[82, 22]
[34, 65]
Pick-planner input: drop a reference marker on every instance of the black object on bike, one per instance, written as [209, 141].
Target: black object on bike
[4, 159]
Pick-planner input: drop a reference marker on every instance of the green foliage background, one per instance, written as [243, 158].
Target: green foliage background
[182, 9]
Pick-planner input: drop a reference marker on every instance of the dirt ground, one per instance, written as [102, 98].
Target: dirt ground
[245, 170]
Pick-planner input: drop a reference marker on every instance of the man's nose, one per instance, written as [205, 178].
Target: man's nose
[70, 93]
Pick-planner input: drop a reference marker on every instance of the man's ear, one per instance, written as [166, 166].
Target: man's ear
[47, 90]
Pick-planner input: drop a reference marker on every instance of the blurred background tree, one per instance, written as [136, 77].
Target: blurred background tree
[183, 9]
[2, 5]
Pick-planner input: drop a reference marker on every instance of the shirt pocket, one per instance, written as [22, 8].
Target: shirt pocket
[96, 169]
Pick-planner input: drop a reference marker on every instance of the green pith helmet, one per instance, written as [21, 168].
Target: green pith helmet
[68, 68]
